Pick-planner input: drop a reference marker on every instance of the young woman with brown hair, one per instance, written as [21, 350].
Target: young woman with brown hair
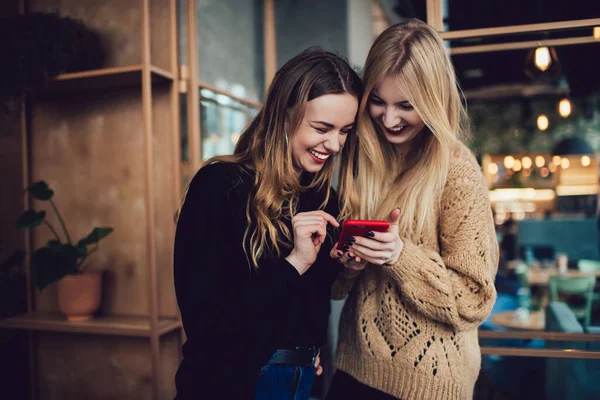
[252, 270]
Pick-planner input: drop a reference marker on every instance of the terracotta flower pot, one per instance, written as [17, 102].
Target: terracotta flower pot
[79, 295]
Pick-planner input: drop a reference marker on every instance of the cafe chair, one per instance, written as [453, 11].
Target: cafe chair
[592, 266]
[522, 274]
[583, 286]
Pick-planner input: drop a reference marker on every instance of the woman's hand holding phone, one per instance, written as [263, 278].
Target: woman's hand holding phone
[379, 248]
[348, 259]
[310, 231]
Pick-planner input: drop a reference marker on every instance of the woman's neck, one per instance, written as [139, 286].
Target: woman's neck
[403, 149]
[412, 149]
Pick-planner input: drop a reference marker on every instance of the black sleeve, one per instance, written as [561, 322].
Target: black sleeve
[221, 303]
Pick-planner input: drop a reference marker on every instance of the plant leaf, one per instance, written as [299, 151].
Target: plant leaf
[95, 236]
[54, 245]
[81, 250]
[30, 219]
[52, 264]
[40, 190]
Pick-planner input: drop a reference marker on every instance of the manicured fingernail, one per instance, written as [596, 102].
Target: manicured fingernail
[370, 234]
[349, 243]
[345, 247]
[339, 253]
[351, 239]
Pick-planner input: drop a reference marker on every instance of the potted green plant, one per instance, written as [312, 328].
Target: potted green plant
[61, 260]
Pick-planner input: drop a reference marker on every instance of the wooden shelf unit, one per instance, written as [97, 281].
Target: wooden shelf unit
[106, 78]
[108, 143]
[107, 325]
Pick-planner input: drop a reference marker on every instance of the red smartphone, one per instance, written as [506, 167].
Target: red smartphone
[360, 227]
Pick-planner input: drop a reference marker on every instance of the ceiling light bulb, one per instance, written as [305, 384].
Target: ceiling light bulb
[542, 58]
[564, 108]
[542, 122]
[526, 162]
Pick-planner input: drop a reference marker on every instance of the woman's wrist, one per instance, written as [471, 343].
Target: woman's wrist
[300, 265]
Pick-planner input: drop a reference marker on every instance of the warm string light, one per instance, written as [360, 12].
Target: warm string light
[540, 161]
[509, 162]
[585, 161]
[527, 165]
[517, 166]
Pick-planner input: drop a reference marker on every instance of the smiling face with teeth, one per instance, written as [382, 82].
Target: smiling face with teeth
[389, 108]
[327, 121]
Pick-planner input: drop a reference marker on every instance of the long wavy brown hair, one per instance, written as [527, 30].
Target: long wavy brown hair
[263, 147]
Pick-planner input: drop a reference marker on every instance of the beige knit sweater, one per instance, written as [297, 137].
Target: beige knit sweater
[410, 329]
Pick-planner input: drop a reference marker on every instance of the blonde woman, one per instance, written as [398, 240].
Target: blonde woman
[252, 270]
[418, 292]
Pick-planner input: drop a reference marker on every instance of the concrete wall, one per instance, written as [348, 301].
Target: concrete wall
[302, 24]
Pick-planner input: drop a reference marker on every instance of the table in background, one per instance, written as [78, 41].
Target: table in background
[508, 319]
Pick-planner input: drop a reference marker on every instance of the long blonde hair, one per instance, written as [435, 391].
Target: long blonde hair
[412, 53]
[263, 147]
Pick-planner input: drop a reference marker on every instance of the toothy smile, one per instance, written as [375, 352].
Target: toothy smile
[396, 129]
[320, 156]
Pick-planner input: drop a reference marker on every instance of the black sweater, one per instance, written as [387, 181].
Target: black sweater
[234, 316]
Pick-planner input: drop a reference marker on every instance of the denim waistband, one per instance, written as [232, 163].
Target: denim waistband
[300, 356]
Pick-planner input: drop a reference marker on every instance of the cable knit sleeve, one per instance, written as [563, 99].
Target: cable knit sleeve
[456, 285]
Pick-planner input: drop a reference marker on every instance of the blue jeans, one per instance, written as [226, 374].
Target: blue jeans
[284, 382]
